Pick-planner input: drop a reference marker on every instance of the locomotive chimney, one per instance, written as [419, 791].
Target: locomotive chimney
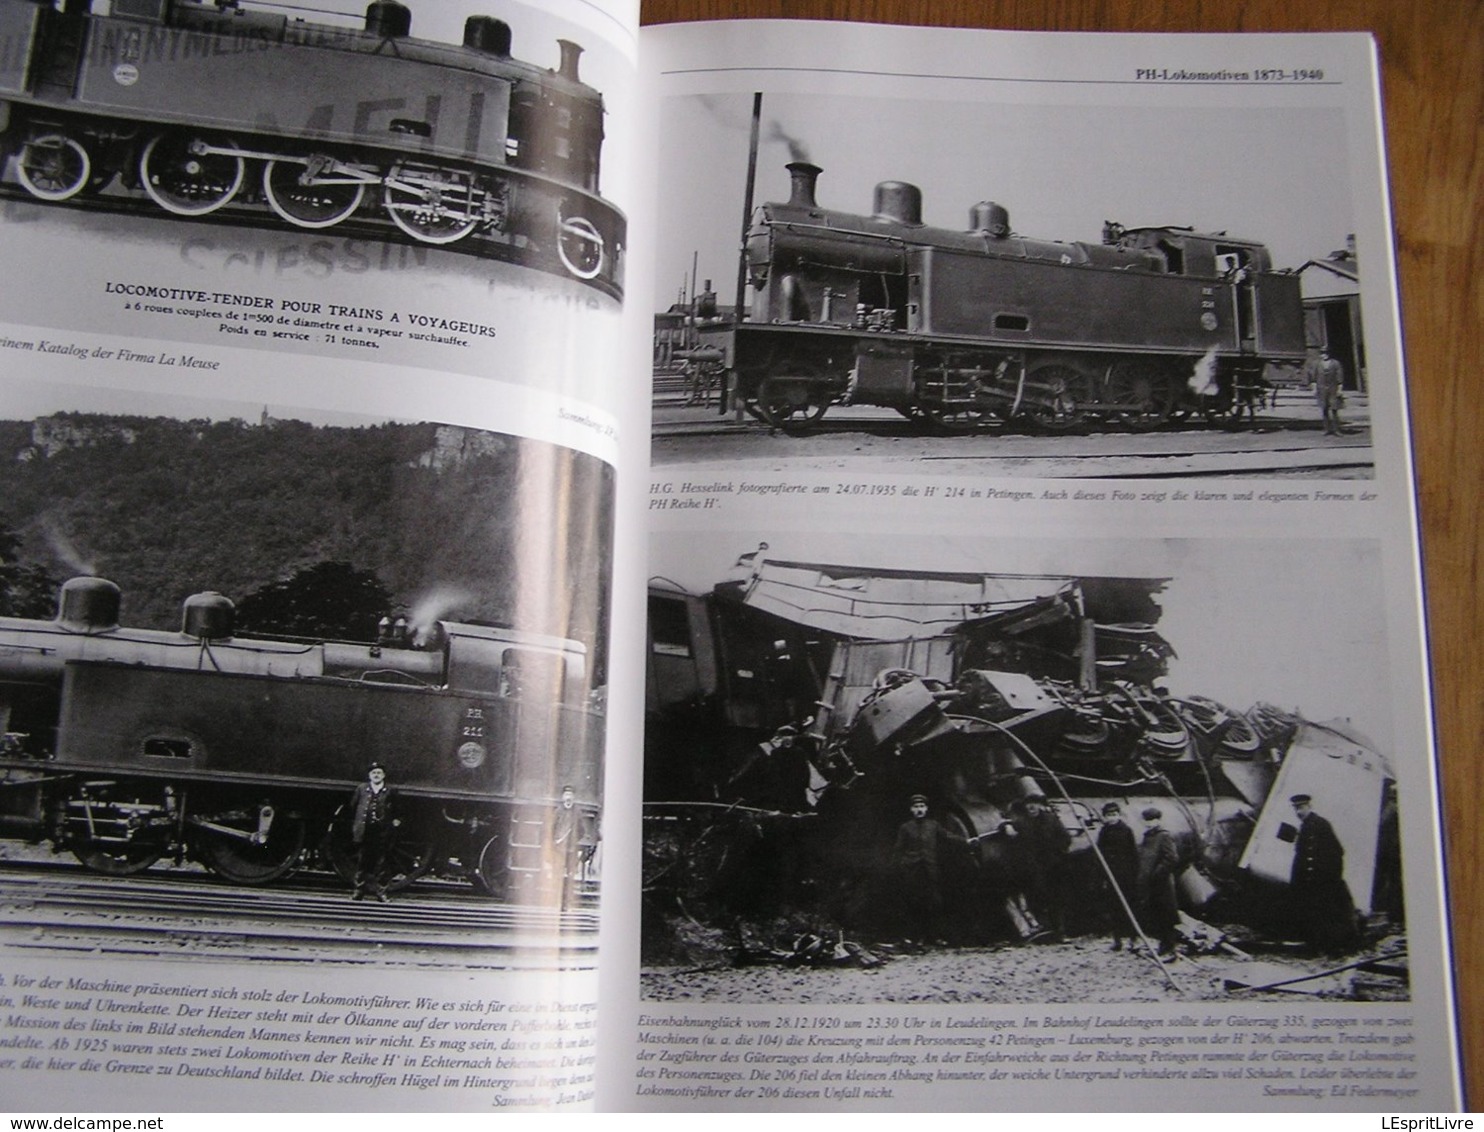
[804, 176]
[389, 19]
[899, 201]
[990, 218]
[488, 36]
[88, 605]
[571, 52]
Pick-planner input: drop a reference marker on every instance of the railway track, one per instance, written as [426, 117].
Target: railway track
[55, 907]
[259, 218]
[1285, 442]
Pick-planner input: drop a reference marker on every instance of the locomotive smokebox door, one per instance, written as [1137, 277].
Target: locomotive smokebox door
[883, 373]
[896, 709]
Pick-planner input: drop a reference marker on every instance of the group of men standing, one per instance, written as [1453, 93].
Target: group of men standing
[1143, 873]
[374, 828]
[1140, 892]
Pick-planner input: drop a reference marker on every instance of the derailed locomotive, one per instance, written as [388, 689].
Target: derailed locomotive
[125, 746]
[195, 105]
[795, 708]
[966, 329]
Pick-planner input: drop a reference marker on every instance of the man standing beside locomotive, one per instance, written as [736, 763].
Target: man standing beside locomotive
[574, 844]
[1322, 903]
[371, 832]
[915, 857]
[1329, 379]
[1045, 843]
[1120, 850]
[1159, 860]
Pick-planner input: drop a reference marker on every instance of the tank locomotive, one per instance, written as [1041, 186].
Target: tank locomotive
[125, 746]
[194, 105]
[965, 329]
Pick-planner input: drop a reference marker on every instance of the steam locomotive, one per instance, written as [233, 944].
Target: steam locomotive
[193, 105]
[124, 746]
[966, 329]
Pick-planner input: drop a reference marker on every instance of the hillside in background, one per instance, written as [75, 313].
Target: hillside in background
[453, 522]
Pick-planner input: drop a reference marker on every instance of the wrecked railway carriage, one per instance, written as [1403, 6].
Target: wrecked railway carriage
[794, 710]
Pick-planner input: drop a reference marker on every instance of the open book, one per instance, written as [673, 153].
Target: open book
[1007, 430]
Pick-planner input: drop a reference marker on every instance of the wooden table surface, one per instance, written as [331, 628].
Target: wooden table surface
[1432, 58]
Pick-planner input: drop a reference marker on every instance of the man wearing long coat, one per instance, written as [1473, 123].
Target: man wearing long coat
[1120, 851]
[916, 863]
[1321, 898]
[1044, 844]
[1159, 861]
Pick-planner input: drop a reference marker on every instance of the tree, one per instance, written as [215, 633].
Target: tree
[329, 600]
[25, 591]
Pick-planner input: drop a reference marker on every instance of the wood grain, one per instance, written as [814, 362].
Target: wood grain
[1432, 54]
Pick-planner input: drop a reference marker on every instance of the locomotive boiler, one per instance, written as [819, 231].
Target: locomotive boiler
[965, 329]
[795, 708]
[125, 746]
[194, 105]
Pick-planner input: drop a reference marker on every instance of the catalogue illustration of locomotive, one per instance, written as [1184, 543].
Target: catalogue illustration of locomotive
[795, 708]
[125, 746]
[195, 106]
[967, 329]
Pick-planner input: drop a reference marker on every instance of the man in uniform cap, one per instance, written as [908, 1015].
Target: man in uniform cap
[1159, 860]
[574, 842]
[1120, 850]
[1329, 380]
[371, 829]
[1321, 898]
[915, 857]
[1044, 844]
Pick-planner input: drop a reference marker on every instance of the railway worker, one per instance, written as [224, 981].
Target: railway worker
[1321, 899]
[573, 843]
[1329, 380]
[1120, 850]
[371, 831]
[1044, 844]
[915, 858]
[1159, 860]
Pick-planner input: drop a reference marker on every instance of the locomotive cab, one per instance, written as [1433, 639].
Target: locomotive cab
[1182, 251]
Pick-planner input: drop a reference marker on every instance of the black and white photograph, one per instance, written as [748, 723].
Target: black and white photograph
[1019, 771]
[1036, 289]
[310, 685]
[283, 116]
[432, 185]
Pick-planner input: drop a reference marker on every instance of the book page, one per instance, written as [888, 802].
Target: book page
[1037, 708]
[310, 421]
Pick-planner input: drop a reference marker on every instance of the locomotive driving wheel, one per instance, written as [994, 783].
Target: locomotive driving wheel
[117, 828]
[1216, 721]
[251, 844]
[1061, 395]
[429, 204]
[794, 399]
[187, 175]
[1140, 394]
[119, 861]
[53, 167]
[956, 419]
[311, 193]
